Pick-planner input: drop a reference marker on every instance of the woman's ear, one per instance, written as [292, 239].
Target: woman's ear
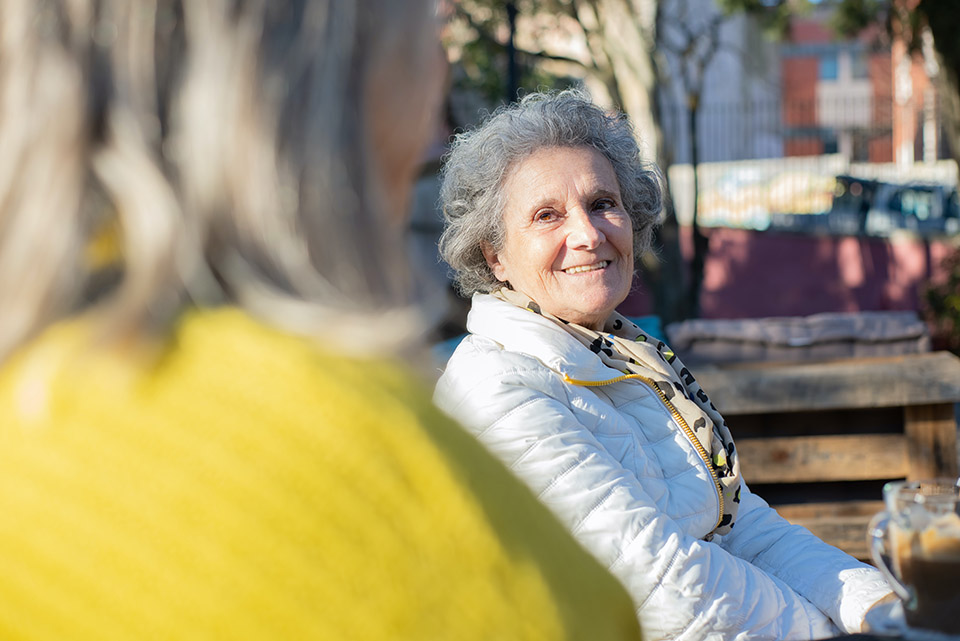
[493, 261]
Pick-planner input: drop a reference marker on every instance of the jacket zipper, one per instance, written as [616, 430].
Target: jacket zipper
[676, 417]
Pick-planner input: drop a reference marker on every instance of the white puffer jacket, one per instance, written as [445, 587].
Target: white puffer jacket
[617, 470]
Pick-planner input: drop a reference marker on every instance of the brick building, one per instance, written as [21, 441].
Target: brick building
[866, 98]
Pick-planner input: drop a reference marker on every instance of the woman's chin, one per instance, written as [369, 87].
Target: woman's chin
[599, 304]
[591, 315]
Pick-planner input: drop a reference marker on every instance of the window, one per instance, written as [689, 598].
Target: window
[861, 146]
[830, 145]
[828, 67]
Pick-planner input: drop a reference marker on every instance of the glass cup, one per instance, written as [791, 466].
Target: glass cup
[915, 542]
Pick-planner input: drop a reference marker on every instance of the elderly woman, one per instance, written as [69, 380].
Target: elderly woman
[207, 426]
[547, 206]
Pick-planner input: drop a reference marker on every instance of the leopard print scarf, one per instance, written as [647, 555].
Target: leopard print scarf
[625, 347]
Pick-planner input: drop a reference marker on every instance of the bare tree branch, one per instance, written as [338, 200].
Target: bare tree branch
[487, 36]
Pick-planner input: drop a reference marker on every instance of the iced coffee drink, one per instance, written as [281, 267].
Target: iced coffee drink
[928, 563]
[919, 535]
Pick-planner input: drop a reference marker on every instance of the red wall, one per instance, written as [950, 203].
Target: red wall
[752, 274]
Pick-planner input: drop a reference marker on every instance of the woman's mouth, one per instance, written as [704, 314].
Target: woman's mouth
[586, 268]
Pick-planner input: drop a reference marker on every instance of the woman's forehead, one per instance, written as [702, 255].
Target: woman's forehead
[557, 172]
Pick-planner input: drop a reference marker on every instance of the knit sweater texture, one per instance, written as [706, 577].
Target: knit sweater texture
[245, 484]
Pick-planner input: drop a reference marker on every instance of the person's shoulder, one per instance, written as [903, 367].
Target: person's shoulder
[479, 357]
[483, 380]
[221, 362]
[344, 490]
[342, 384]
[419, 477]
[231, 340]
[480, 363]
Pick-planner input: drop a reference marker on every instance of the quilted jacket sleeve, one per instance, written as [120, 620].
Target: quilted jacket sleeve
[835, 582]
[683, 588]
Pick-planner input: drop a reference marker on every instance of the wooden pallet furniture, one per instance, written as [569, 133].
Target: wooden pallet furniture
[819, 440]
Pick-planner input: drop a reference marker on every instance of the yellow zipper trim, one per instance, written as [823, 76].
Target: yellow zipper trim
[676, 416]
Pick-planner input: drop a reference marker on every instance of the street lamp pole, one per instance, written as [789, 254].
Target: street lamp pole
[513, 83]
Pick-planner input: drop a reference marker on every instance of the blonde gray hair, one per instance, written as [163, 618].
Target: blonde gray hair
[481, 159]
[223, 142]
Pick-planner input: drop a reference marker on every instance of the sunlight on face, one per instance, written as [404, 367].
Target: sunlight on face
[569, 241]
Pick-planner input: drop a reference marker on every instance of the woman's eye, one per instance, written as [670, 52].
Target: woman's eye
[544, 216]
[604, 203]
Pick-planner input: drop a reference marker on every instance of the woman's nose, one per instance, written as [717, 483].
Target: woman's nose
[583, 232]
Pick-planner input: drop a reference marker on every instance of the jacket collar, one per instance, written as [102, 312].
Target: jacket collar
[522, 331]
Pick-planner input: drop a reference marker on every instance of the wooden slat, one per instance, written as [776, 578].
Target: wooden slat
[883, 420]
[804, 459]
[795, 512]
[912, 379]
[932, 441]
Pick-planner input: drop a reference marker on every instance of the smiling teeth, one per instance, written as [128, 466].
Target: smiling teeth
[587, 268]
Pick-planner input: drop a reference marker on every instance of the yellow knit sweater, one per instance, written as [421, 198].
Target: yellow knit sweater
[248, 486]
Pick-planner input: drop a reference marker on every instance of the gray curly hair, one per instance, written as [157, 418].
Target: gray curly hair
[481, 159]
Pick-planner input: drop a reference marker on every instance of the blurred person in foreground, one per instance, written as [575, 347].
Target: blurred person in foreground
[547, 206]
[207, 429]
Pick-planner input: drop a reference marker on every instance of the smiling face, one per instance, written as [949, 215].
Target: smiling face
[569, 241]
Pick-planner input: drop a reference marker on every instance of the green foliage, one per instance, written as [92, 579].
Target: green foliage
[942, 306]
[853, 16]
[484, 71]
[772, 15]
[484, 61]
[943, 16]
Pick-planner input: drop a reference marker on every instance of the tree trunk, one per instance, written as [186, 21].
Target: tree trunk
[628, 30]
[944, 21]
[700, 241]
[950, 110]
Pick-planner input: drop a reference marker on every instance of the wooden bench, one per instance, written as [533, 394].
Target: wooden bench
[819, 440]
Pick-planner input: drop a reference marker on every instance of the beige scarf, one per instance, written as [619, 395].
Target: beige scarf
[625, 347]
